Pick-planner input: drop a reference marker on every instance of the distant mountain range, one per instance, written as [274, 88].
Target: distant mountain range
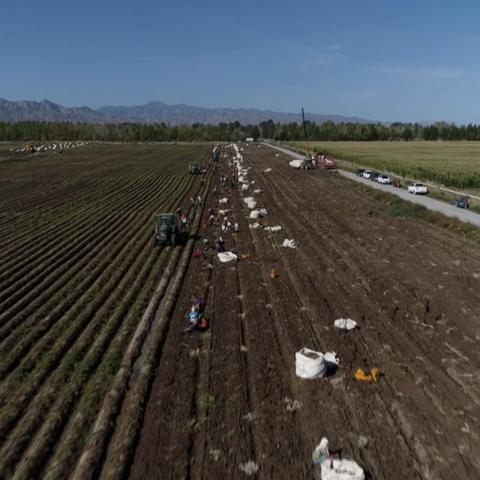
[153, 112]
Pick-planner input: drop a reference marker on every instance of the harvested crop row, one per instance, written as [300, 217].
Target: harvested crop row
[89, 462]
[76, 345]
[62, 217]
[64, 332]
[57, 395]
[66, 266]
[75, 433]
[76, 221]
[109, 187]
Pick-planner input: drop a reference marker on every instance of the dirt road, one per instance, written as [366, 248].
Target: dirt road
[227, 403]
[430, 203]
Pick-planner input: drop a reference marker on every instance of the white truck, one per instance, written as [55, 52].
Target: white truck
[417, 188]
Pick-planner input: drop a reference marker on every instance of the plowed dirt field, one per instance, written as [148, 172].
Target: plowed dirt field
[100, 379]
[229, 396]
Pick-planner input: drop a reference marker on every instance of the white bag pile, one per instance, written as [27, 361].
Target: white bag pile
[289, 243]
[251, 202]
[225, 257]
[255, 226]
[223, 200]
[345, 323]
[261, 212]
[244, 187]
[258, 190]
[275, 228]
[267, 170]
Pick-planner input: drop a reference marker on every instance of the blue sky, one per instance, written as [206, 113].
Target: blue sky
[410, 60]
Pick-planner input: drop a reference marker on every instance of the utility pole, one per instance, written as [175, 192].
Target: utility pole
[306, 136]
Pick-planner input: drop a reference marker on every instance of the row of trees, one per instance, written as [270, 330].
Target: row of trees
[133, 132]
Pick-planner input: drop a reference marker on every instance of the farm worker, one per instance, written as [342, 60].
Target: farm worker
[193, 317]
[211, 219]
[198, 305]
[235, 227]
[184, 219]
[220, 244]
[321, 452]
[199, 200]
[192, 201]
[205, 243]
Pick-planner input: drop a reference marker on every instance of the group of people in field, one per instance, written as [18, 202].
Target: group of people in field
[195, 316]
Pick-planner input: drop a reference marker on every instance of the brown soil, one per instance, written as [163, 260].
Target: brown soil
[228, 396]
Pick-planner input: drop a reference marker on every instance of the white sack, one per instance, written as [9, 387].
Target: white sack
[309, 364]
[223, 200]
[267, 170]
[244, 187]
[255, 226]
[341, 469]
[331, 358]
[257, 190]
[289, 243]
[296, 163]
[345, 323]
[225, 257]
[251, 202]
[261, 212]
[276, 228]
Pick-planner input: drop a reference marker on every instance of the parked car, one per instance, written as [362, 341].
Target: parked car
[374, 176]
[360, 172]
[461, 203]
[417, 188]
[385, 179]
[367, 174]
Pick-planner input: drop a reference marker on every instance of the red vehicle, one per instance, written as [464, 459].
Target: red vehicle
[322, 162]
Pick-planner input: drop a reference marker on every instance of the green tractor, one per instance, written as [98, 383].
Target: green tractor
[168, 226]
[195, 169]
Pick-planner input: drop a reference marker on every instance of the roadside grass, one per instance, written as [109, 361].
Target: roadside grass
[403, 210]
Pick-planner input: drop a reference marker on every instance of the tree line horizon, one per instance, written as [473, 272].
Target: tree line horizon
[235, 131]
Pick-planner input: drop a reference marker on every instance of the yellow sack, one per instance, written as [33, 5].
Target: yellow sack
[361, 376]
[375, 372]
[273, 274]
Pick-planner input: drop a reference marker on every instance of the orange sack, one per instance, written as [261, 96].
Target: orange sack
[361, 376]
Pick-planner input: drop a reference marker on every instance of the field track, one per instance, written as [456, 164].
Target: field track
[98, 378]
